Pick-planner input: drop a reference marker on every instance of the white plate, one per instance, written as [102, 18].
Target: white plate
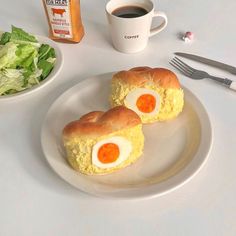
[174, 151]
[55, 71]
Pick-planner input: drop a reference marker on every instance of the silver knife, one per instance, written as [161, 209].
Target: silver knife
[210, 62]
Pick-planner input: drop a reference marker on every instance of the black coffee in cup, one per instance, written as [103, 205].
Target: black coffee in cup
[129, 12]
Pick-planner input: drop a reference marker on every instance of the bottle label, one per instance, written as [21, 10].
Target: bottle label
[59, 17]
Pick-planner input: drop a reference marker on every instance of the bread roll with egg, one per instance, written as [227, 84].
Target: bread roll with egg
[103, 142]
[153, 93]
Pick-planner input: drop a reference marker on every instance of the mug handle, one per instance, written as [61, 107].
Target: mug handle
[163, 24]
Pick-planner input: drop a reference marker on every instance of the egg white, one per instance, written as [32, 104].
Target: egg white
[132, 97]
[125, 148]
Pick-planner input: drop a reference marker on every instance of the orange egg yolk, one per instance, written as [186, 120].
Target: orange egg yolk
[108, 153]
[146, 103]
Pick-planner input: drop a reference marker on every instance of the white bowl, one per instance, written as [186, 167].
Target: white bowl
[53, 74]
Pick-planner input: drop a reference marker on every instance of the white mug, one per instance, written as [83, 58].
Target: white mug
[130, 35]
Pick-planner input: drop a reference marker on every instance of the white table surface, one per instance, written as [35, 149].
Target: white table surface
[35, 201]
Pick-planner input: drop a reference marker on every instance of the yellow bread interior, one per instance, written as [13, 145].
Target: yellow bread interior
[172, 100]
[79, 150]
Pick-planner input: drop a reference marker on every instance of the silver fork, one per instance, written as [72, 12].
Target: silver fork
[199, 74]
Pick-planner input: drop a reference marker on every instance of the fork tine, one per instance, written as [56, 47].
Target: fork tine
[179, 68]
[182, 66]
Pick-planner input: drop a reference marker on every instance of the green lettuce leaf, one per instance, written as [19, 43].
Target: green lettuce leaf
[46, 68]
[5, 38]
[25, 56]
[19, 36]
[11, 80]
[46, 51]
[7, 55]
[34, 78]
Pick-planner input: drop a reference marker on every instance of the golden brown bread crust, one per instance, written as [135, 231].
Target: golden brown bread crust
[98, 123]
[139, 76]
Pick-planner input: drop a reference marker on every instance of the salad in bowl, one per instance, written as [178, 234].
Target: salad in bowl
[26, 62]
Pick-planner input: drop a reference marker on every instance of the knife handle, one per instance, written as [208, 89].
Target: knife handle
[233, 85]
[226, 82]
